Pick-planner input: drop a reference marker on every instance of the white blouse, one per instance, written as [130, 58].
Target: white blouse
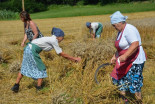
[48, 43]
[94, 26]
[130, 35]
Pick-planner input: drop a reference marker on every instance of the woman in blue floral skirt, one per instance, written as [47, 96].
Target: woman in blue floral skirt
[32, 65]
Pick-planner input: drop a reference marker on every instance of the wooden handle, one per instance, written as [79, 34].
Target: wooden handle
[23, 5]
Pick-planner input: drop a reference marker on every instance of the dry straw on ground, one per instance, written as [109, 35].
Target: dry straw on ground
[68, 82]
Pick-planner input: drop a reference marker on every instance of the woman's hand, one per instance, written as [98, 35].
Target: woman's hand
[24, 40]
[78, 59]
[122, 58]
[113, 60]
[22, 44]
[75, 59]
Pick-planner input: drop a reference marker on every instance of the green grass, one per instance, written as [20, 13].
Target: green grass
[71, 11]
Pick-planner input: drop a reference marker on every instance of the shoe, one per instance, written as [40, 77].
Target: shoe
[139, 101]
[38, 88]
[15, 88]
[126, 101]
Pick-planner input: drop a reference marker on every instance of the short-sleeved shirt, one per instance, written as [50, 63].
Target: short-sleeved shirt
[94, 26]
[129, 36]
[48, 43]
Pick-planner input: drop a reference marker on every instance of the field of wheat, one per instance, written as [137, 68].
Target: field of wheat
[69, 82]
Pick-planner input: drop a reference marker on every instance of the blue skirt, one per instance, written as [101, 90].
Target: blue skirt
[29, 67]
[132, 81]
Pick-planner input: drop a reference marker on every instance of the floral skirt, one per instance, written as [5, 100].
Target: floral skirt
[29, 67]
[132, 81]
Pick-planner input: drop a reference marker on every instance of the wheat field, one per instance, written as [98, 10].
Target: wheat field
[69, 82]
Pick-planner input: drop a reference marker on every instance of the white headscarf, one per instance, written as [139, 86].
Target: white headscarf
[117, 17]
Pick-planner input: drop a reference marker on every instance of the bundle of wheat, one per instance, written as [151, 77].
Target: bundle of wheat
[15, 66]
[5, 56]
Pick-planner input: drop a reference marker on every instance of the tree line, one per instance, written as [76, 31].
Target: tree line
[42, 5]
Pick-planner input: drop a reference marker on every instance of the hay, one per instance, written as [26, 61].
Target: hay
[15, 66]
[70, 82]
[5, 56]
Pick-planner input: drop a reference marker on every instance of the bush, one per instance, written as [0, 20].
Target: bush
[31, 6]
[16, 6]
[70, 2]
[86, 2]
[4, 14]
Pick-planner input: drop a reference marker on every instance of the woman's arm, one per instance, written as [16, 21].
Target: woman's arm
[34, 29]
[94, 32]
[76, 59]
[24, 40]
[133, 47]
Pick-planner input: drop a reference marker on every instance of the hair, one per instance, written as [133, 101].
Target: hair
[25, 15]
[123, 22]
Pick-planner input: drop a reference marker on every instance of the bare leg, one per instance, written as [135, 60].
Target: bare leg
[19, 78]
[139, 97]
[15, 88]
[40, 81]
[39, 87]
[123, 93]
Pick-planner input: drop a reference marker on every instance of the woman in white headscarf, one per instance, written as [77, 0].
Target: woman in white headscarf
[129, 58]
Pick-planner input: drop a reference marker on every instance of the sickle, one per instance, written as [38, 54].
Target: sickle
[96, 72]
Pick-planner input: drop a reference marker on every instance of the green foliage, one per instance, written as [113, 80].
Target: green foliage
[12, 5]
[4, 5]
[69, 11]
[70, 2]
[31, 6]
[153, 1]
[16, 6]
[59, 2]
[81, 2]
[86, 2]
[4, 14]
